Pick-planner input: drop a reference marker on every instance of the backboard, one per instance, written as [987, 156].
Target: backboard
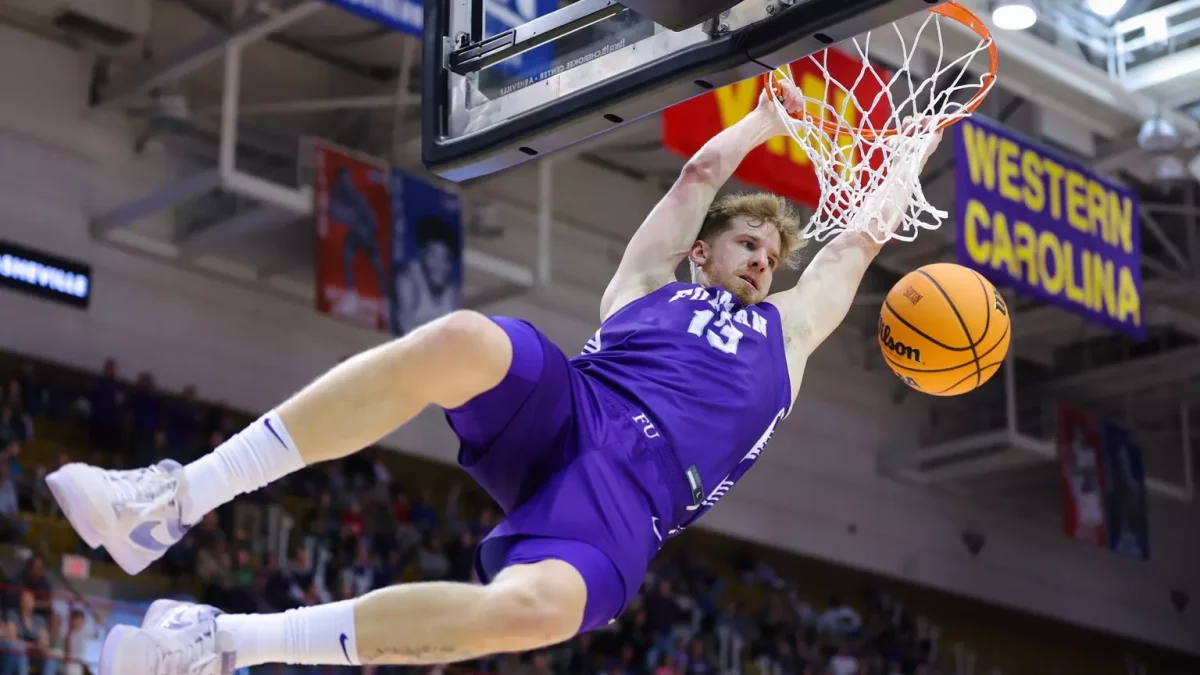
[492, 100]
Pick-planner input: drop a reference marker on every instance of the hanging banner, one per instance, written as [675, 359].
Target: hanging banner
[427, 252]
[1080, 450]
[352, 210]
[780, 165]
[1125, 493]
[1042, 223]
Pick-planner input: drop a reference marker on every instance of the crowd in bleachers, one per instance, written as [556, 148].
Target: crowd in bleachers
[342, 529]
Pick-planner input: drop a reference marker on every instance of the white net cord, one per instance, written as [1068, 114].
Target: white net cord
[869, 170]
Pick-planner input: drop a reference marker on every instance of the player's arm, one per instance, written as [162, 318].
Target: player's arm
[665, 237]
[817, 304]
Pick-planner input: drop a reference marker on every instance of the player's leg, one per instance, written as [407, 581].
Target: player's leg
[137, 515]
[527, 606]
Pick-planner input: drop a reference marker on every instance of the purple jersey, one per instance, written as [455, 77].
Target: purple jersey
[709, 372]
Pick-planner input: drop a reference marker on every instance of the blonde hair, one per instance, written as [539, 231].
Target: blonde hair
[758, 207]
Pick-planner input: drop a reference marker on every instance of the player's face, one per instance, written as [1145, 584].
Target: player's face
[742, 259]
[437, 260]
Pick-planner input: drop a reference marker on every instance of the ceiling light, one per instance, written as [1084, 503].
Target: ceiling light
[1014, 14]
[1158, 135]
[1169, 168]
[1106, 8]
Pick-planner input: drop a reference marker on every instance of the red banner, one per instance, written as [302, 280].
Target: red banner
[780, 165]
[354, 236]
[1080, 456]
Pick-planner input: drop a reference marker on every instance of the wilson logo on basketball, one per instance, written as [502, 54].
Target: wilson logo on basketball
[898, 348]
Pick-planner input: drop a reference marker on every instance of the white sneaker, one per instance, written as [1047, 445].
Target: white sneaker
[135, 515]
[176, 638]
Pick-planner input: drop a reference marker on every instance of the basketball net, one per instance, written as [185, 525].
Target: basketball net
[869, 170]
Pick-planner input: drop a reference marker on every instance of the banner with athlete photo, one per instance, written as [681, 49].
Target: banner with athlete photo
[1080, 456]
[1125, 493]
[1031, 218]
[427, 255]
[780, 165]
[352, 209]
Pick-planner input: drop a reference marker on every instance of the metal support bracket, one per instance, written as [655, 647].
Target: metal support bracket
[248, 29]
[490, 51]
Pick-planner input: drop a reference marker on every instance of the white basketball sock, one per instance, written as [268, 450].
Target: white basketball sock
[311, 636]
[261, 453]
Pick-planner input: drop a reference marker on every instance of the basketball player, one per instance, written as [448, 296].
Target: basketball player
[595, 460]
[428, 288]
[349, 207]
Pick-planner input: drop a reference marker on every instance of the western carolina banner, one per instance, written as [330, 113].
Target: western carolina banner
[354, 234]
[1125, 493]
[1048, 226]
[428, 252]
[1079, 453]
[780, 165]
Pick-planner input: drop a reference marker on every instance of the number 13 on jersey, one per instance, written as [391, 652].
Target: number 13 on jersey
[725, 338]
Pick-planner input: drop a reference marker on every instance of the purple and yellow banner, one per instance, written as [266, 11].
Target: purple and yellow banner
[1035, 220]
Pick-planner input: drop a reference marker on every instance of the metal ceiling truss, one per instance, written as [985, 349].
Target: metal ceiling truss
[279, 204]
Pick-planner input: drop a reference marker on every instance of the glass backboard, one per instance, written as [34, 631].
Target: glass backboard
[506, 81]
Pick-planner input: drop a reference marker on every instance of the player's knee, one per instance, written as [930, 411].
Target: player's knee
[461, 329]
[471, 352]
[523, 616]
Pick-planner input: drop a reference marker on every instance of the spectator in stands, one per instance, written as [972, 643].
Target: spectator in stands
[33, 579]
[214, 568]
[180, 559]
[432, 561]
[843, 663]
[26, 634]
[423, 515]
[145, 409]
[352, 517]
[21, 400]
[840, 620]
[12, 427]
[55, 645]
[75, 643]
[182, 421]
[208, 532]
[157, 449]
[359, 575]
[461, 557]
[40, 500]
[12, 527]
[107, 411]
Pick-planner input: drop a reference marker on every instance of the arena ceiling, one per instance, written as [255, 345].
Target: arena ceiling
[328, 74]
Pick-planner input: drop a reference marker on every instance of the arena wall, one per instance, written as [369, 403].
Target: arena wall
[817, 491]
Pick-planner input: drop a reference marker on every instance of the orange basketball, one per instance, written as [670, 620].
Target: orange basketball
[944, 329]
